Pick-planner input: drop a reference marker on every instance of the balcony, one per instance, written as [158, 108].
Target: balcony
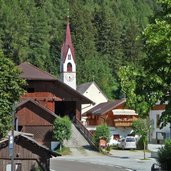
[123, 123]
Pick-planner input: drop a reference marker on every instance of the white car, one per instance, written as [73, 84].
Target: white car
[128, 143]
[113, 142]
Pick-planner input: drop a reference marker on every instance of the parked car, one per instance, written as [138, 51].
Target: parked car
[114, 140]
[128, 142]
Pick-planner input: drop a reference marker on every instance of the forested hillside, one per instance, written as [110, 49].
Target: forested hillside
[104, 34]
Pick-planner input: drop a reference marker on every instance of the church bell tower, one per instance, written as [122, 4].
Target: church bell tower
[68, 63]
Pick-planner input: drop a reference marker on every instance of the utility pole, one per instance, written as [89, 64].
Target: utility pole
[11, 139]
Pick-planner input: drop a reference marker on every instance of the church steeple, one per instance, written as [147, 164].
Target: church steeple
[67, 43]
[68, 62]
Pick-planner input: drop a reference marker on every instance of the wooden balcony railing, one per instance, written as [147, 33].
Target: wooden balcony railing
[123, 123]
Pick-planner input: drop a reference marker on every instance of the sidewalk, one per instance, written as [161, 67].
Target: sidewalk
[133, 159]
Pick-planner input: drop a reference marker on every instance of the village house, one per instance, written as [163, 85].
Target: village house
[28, 154]
[93, 92]
[157, 134]
[115, 114]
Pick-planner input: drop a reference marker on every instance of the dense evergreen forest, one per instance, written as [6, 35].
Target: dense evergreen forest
[104, 33]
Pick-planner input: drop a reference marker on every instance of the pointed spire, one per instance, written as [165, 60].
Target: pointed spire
[68, 42]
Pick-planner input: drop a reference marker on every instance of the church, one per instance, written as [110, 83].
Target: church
[48, 97]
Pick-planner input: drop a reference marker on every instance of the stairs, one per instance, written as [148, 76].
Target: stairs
[77, 139]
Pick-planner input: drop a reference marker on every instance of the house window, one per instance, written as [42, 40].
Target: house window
[69, 67]
[18, 167]
[69, 57]
[157, 121]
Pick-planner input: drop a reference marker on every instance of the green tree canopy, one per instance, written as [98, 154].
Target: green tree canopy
[11, 88]
[102, 30]
[157, 41]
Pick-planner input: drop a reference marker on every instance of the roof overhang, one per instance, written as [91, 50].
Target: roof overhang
[124, 112]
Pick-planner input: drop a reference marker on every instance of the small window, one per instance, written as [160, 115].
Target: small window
[69, 57]
[30, 90]
[69, 67]
[18, 167]
[157, 121]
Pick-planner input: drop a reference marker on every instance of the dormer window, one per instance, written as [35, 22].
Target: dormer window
[69, 57]
[69, 67]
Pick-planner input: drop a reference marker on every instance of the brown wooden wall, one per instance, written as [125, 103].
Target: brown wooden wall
[32, 116]
[42, 134]
[26, 153]
[47, 92]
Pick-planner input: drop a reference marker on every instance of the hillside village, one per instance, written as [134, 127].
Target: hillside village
[48, 98]
[131, 94]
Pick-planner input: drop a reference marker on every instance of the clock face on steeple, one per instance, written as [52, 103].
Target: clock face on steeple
[69, 77]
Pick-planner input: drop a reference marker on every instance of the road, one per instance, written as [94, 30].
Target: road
[118, 160]
[64, 165]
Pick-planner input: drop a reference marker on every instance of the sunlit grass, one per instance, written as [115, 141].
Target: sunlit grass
[64, 151]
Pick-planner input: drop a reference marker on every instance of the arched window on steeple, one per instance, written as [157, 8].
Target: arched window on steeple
[69, 67]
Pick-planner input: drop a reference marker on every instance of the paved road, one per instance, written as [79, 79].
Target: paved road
[119, 160]
[64, 165]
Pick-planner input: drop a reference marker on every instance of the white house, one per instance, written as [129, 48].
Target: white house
[93, 92]
[158, 135]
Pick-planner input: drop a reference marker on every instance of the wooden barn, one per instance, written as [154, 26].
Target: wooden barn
[28, 154]
[45, 99]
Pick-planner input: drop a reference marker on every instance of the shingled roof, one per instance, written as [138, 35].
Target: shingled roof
[83, 87]
[31, 72]
[105, 107]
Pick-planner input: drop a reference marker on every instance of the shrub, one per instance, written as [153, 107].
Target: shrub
[101, 131]
[164, 156]
[62, 129]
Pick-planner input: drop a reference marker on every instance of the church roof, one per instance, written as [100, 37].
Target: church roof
[31, 72]
[67, 44]
[105, 107]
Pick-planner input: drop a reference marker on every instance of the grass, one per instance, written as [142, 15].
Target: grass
[64, 151]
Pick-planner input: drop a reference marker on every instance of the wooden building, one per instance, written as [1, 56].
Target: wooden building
[28, 154]
[45, 99]
[113, 113]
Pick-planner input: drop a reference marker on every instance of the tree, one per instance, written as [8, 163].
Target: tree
[11, 88]
[157, 43]
[164, 156]
[62, 129]
[102, 131]
[142, 128]
[138, 86]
